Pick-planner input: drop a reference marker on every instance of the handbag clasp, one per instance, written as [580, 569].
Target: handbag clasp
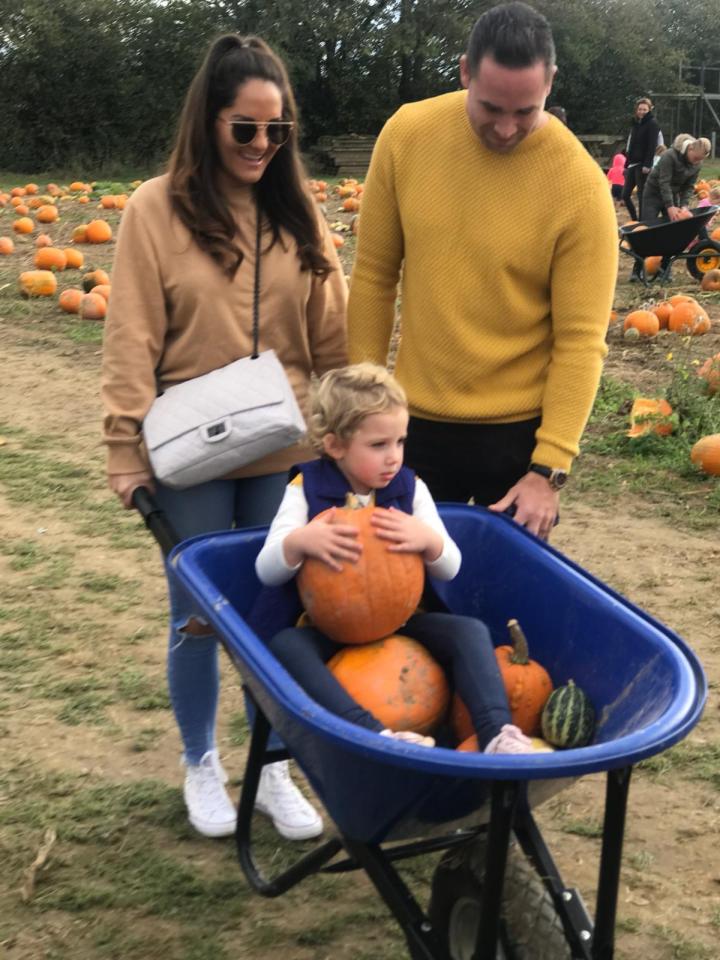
[213, 432]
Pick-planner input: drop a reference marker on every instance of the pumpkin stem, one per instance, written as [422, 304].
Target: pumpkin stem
[520, 652]
[353, 503]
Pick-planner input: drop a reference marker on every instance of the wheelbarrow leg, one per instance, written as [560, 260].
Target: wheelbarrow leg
[423, 942]
[616, 794]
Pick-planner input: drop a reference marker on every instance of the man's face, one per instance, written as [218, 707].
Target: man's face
[505, 104]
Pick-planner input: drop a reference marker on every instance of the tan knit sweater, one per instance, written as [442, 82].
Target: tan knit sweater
[173, 312]
[508, 272]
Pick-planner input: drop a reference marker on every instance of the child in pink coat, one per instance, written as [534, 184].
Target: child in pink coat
[616, 176]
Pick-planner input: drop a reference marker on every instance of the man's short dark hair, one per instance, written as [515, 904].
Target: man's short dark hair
[514, 35]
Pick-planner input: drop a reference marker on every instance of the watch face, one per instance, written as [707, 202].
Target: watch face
[558, 479]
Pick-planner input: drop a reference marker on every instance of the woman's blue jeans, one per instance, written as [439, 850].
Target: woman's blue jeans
[192, 666]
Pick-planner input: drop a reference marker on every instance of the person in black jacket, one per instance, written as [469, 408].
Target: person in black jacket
[640, 151]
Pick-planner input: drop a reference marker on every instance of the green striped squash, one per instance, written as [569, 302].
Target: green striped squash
[568, 718]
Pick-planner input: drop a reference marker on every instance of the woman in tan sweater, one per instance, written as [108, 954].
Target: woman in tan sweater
[183, 284]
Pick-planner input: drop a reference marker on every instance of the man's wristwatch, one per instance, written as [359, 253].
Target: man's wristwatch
[556, 478]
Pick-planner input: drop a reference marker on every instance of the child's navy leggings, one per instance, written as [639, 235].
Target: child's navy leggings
[462, 645]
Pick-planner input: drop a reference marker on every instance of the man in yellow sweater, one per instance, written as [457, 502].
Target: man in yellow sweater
[502, 229]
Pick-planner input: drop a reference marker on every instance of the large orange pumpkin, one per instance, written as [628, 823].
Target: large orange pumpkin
[70, 299]
[644, 321]
[649, 415]
[396, 680]
[50, 258]
[98, 231]
[689, 319]
[75, 258]
[706, 454]
[47, 214]
[366, 600]
[37, 283]
[527, 683]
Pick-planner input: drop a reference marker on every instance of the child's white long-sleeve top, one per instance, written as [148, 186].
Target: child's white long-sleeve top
[272, 568]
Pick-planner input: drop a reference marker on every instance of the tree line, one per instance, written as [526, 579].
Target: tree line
[92, 84]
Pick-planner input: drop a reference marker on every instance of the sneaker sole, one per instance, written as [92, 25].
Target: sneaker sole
[293, 833]
[213, 830]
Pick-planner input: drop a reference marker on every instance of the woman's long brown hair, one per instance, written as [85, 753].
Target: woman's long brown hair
[194, 162]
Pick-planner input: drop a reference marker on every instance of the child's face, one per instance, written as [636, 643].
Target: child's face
[374, 453]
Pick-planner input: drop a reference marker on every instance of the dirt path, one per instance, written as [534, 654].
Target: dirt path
[670, 894]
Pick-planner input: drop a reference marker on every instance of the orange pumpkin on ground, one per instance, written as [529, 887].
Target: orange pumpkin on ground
[17, 192]
[337, 240]
[93, 306]
[99, 231]
[644, 321]
[50, 258]
[351, 205]
[677, 298]
[711, 281]
[396, 680]
[93, 278]
[47, 214]
[37, 283]
[31, 188]
[6, 246]
[649, 415]
[69, 300]
[79, 234]
[366, 600]
[689, 319]
[107, 202]
[24, 225]
[527, 684]
[710, 373]
[662, 311]
[43, 240]
[103, 289]
[706, 454]
[22, 209]
[652, 265]
[75, 258]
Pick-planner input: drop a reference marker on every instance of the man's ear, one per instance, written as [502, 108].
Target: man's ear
[551, 79]
[464, 71]
[333, 446]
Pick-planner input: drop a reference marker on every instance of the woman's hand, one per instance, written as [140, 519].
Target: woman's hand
[407, 533]
[125, 484]
[325, 540]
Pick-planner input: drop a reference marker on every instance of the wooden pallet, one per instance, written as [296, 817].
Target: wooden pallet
[351, 154]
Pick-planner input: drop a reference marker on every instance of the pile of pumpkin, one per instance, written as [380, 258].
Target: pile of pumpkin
[394, 677]
[679, 314]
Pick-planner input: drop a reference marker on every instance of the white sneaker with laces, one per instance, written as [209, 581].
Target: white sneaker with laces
[280, 800]
[511, 739]
[408, 736]
[210, 809]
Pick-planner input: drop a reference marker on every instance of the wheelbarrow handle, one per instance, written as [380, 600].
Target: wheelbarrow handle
[155, 519]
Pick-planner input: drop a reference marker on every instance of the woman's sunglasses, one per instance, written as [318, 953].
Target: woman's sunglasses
[245, 131]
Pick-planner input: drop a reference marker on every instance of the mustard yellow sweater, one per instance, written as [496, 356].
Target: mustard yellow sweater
[508, 266]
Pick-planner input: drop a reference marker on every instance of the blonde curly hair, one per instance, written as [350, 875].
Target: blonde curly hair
[342, 399]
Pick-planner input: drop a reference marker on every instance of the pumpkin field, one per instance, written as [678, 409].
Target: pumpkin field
[98, 858]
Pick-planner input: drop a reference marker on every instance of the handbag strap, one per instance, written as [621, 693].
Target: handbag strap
[256, 291]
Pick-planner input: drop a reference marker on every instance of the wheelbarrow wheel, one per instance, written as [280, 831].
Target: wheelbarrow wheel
[530, 928]
[703, 256]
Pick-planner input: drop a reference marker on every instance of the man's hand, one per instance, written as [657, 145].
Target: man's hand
[673, 213]
[125, 484]
[536, 504]
[325, 540]
[407, 533]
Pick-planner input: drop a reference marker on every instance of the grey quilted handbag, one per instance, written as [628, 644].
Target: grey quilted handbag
[209, 426]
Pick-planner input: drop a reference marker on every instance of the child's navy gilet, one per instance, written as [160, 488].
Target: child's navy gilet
[324, 486]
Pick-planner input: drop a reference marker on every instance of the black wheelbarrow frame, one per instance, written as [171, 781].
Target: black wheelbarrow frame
[392, 801]
[676, 240]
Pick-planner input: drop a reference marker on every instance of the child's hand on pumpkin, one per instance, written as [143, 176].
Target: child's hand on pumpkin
[325, 540]
[407, 533]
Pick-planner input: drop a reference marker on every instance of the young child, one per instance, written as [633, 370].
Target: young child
[616, 177]
[358, 425]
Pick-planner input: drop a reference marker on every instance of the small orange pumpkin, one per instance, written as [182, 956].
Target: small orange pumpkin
[649, 415]
[527, 683]
[6, 246]
[79, 234]
[103, 289]
[366, 600]
[93, 278]
[43, 240]
[69, 300]
[24, 225]
[644, 321]
[47, 214]
[37, 283]
[98, 231]
[710, 373]
[337, 240]
[396, 680]
[75, 258]
[711, 280]
[705, 454]
[652, 265]
[93, 306]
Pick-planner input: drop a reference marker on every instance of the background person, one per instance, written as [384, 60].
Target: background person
[640, 150]
[502, 340]
[183, 285]
[616, 176]
[359, 424]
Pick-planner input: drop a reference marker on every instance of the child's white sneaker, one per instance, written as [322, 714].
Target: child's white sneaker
[278, 798]
[511, 739]
[210, 809]
[408, 736]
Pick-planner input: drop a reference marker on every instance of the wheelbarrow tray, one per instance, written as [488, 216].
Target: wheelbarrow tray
[646, 684]
[665, 239]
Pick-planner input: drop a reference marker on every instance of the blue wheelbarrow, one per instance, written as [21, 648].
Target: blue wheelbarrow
[677, 240]
[496, 893]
